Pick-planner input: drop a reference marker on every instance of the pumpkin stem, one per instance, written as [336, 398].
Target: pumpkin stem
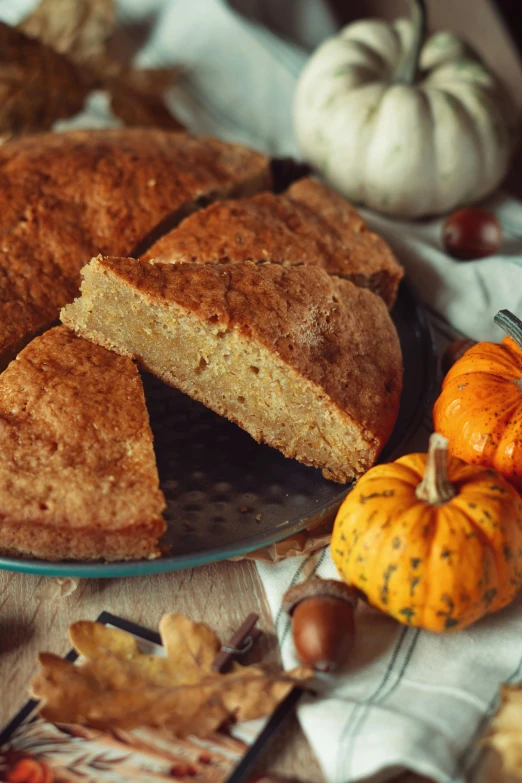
[510, 324]
[435, 487]
[409, 64]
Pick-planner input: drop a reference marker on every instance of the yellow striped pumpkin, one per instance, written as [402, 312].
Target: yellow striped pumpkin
[430, 540]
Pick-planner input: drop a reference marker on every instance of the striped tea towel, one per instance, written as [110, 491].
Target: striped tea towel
[410, 700]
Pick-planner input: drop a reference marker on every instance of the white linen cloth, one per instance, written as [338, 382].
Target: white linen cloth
[410, 700]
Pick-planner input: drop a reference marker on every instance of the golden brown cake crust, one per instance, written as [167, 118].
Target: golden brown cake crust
[68, 196]
[334, 334]
[308, 224]
[78, 477]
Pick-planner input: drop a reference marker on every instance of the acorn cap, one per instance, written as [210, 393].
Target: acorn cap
[314, 588]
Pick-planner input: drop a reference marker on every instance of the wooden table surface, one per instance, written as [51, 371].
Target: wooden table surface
[33, 616]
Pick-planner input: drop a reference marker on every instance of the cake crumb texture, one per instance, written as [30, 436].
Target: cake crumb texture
[308, 225]
[78, 477]
[69, 196]
[304, 361]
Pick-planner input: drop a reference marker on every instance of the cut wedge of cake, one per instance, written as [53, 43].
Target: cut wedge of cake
[68, 196]
[303, 361]
[307, 225]
[78, 477]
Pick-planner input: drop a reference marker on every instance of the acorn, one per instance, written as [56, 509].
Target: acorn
[471, 233]
[323, 624]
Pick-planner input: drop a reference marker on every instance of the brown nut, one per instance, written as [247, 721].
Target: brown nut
[471, 232]
[455, 351]
[323, 627]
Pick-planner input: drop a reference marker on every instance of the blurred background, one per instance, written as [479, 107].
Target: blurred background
[199, 38]
[494, 27]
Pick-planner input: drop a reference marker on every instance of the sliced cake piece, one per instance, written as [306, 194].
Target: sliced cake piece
[66, 197]
[78, 476]
[306, 362]
[308, 224]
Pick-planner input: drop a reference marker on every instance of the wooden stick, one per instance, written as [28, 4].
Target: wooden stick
[240, 642]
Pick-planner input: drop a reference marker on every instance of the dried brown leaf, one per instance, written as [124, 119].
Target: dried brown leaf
[58, 54]
[191, 646]
[137, 98]
[79, 28]
[505, 736]
[37, 85]
[149, 80]
[118, 686]
[304, 543]
[55, 589]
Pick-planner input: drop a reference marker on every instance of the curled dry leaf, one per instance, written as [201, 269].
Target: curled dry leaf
[304, 543]
[505, 736]
[137, 98]
[118, 686]
[80, 28]
[56, 588]
[37, 85]
[57, 55]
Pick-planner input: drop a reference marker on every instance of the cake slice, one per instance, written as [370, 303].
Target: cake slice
[78, 476]
[65, 197]
[307, 225]
[305, 362]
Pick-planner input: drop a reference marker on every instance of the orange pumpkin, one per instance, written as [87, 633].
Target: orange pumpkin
[431, 541]
[29, 770]
[480, 407]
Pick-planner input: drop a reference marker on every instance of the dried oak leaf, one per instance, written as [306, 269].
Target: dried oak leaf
[505, 736]
[37, 85]
[137, 97]
[80, 28]
[118, 686]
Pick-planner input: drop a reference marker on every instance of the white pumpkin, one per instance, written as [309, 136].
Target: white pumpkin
[406, 127]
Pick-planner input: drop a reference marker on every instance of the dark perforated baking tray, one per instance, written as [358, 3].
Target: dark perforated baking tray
[226, 494]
